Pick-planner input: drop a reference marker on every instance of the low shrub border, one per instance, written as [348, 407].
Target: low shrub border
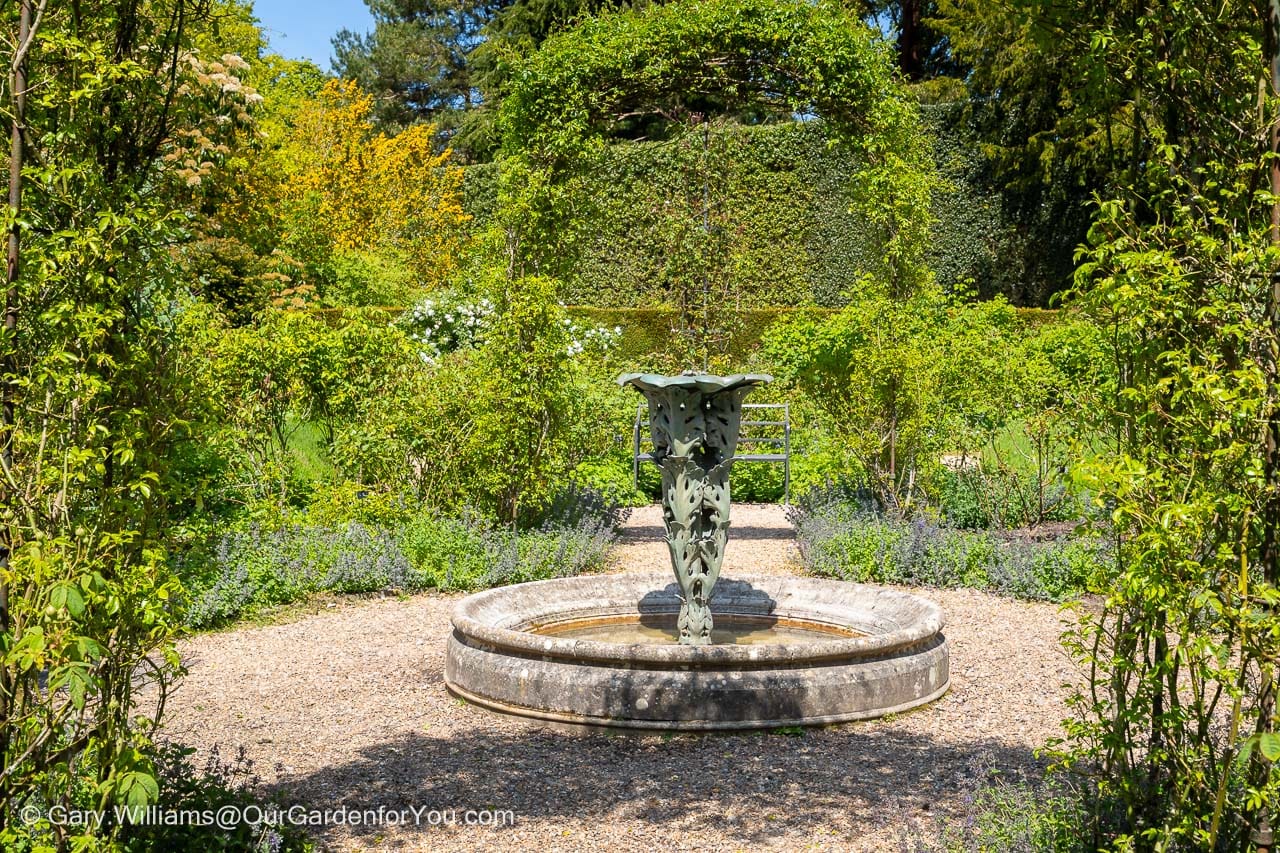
[844, 538]
[251, 569]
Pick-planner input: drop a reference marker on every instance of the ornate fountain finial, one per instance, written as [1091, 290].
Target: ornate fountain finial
[694, 420]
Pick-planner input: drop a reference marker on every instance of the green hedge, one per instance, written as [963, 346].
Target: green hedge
[646, 332]
[780, 201]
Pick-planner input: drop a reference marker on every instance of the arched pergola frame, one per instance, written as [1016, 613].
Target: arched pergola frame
[786, 57]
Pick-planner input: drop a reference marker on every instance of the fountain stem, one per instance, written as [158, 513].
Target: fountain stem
[694, 420]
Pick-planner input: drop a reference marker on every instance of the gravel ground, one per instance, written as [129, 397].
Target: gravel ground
[346, 707]
[761, 542]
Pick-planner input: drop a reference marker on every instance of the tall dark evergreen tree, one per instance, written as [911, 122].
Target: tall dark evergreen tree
[416, 62]
[924, 51]
[441, 60]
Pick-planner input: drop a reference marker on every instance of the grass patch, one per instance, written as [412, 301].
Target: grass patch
[309, 453]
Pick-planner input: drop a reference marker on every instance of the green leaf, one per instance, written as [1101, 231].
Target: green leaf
[138, 788]
[1269, 744]
[78, 686]
[67, 596]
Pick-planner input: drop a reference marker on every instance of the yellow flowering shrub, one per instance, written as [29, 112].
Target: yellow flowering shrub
[366, 191]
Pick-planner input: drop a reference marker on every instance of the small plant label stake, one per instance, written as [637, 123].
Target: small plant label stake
[694, 420]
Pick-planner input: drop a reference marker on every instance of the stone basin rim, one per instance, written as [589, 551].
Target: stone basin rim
[927, 623]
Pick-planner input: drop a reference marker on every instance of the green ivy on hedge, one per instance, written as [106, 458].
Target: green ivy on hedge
[691, 67]
[787, 202]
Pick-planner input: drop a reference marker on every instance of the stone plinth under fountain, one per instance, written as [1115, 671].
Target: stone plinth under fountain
[639, 651]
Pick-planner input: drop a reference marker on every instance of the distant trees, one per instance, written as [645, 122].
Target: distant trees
[349, 189]
[417, 61]
[442, 60]
[438, 60]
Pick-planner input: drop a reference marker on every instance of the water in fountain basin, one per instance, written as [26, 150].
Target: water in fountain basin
[635, 630]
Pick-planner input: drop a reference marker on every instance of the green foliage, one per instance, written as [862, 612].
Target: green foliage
[1090, 93]
[649, 198]
[121, 129]
[255, 568]
[347, 500]
[344, 188]
[525, 414]
[480, 187]
[219, 783]
[1006, 238]
[370, 279]
[230, 255]
[658, 63]
[841, 536]
[1014, 426]
[1183, 651]
[885, 391]
[448, 553]
[290, 395]
[756, 482]
[415, 62]
[901, 381]
[784, 203]
[647, 340]
[1075, 100]
[287, 85]
[1012, 816]
[229, 273]
[611, 477]
[261, 373]
[491, 425]
[309, 457]
[1182, 480]
[1020, 475]
[1004, 497]
[315, 206]
[392, 547]
[470, 552]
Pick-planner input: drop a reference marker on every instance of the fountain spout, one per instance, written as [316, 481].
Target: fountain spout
[694, 420]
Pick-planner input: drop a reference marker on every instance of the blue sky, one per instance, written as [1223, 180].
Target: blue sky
[301, 30]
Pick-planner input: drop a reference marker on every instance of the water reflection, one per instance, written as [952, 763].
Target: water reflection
[727, 631]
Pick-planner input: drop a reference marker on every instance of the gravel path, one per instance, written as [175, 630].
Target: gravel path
[761, 542]
[345, 707]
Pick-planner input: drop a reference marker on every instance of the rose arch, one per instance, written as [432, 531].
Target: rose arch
[780, 58]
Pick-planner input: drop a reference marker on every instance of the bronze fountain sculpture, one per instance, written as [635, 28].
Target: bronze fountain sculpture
[695, 419]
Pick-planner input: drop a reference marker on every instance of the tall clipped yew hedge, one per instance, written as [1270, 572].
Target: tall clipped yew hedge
[713, 217]
[787, 205]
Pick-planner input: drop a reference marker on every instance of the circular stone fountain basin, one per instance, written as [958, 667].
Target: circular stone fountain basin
[601, 650]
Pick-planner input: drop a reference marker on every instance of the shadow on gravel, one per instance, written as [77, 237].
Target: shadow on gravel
[750, 785]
